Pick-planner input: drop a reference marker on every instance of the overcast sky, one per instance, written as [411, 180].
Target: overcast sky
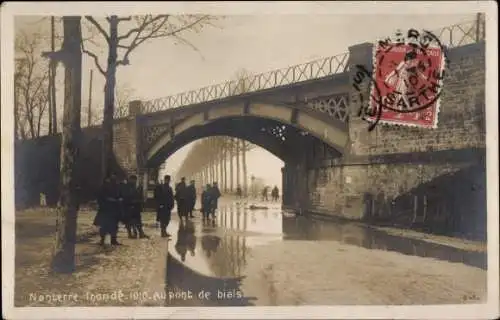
[257, 43]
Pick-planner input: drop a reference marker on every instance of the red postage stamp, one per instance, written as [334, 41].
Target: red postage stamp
[407, 84]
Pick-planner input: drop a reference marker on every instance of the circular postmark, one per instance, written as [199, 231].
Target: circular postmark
[407, 75]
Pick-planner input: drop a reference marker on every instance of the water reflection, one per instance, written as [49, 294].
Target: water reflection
[226, 243]
[210, 244]
[303, 228]
[186, 239]
[261, 221]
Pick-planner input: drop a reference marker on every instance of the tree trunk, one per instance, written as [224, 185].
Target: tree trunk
[224, 159]
[212, 170]
[244, 165]
[64, 251]
[237, 151]
[49, 96]
[231, 167]
[221, 166]
[109, 99]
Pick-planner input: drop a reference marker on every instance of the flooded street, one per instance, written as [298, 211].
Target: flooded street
[252, 256]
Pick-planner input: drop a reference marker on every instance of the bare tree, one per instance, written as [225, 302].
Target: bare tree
[243, 81]
[142, 29]
[31, 86]
[71, 56]
[124, 94]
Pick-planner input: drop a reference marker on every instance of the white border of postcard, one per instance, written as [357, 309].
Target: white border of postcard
[469, 311]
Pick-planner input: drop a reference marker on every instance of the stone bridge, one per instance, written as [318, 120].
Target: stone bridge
[307, 116]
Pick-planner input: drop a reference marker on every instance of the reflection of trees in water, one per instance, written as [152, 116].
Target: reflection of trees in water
[210, 244]
[186, 240]
[227, 255]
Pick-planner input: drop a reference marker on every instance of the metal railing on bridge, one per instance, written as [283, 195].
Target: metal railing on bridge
[316, 69]
[451, 36]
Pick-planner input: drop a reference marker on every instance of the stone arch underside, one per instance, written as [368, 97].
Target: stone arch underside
[247, 122]
[250, 130]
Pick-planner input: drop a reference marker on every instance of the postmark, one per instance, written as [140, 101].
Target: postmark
[406, 82]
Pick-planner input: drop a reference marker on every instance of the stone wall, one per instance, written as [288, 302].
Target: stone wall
[37, 164]
[392, 163]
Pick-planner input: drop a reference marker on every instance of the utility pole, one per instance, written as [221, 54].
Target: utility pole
[49, 98]
[52, 80]
[89, 120]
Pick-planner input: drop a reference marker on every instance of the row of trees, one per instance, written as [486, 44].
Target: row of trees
[213, 159]
[35, 107]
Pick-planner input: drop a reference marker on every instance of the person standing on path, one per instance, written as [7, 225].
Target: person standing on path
[191, 198]
[214, 198]
[239, 192]
[109, 212]
[275, 193]
[164, 199]
[125, 213]
[206, 202]
[133, 203]
[264, 194]
[181, 198]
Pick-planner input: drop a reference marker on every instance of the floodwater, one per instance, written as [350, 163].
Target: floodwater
[207, 259]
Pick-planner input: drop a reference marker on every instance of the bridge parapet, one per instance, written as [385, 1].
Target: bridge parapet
[315, 69]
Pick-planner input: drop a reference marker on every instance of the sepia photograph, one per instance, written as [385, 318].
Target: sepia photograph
[249, 155]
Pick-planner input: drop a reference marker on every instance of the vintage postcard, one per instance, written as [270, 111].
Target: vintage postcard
[249, 160]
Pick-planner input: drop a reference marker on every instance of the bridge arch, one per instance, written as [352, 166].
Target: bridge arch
[243, 121]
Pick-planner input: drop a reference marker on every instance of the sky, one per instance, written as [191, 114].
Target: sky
[256, 43]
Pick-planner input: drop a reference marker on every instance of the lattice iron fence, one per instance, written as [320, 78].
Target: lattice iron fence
[311, 70]
[462, 34]
[450, 36]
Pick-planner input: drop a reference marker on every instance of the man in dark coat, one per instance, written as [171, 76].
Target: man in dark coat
[181, 198]
[214, 197]
[275, 193]
[164, 198]
[125, 214]
[133, 203]
[206, 202]
[109, 212]
[191, 198]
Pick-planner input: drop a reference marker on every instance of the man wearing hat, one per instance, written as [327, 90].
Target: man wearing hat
[164, 198]
[191, 198]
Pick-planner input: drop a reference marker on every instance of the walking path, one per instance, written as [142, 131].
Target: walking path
[109, 276]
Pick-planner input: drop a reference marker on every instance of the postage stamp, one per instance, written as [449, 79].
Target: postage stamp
[205, 160]
[408, 80]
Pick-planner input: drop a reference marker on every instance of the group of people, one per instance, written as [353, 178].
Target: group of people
[124, 202]
[185, 197]
[120, 202]
[275, 194]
